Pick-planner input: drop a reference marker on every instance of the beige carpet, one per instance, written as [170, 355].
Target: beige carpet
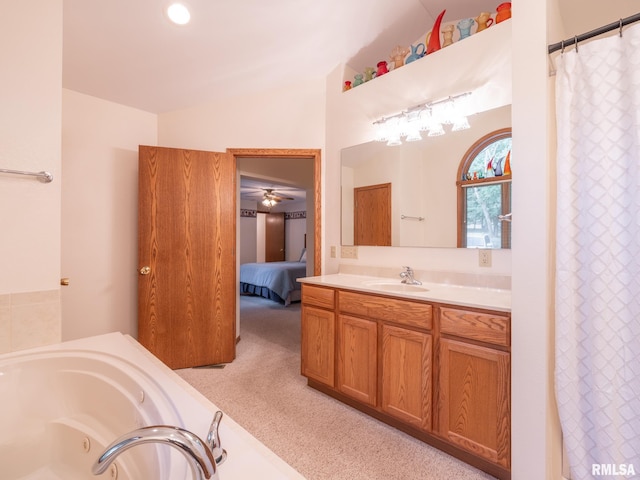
[320, 437]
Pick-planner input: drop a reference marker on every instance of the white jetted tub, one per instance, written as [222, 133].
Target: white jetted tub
[61, 405]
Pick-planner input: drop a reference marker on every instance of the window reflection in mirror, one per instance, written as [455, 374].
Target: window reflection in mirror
[484, 193]
[422, 178]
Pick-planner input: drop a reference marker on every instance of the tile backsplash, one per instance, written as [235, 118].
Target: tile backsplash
[30, 319]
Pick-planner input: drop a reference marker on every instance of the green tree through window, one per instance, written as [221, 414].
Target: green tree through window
[484, 191]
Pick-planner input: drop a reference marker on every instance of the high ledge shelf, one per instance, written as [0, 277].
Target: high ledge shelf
[480, 64]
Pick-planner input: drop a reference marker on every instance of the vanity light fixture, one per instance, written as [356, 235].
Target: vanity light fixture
[178, 14]
[429, 118]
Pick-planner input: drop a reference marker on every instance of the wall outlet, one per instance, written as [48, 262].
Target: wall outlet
[349, 252]
[484, 257]
[333, 251]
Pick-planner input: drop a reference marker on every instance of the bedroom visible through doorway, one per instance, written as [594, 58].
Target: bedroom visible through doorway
[287, 183]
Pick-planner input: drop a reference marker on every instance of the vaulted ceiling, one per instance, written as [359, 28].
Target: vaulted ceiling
[128, 52]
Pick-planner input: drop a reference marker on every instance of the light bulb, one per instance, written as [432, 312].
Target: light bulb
[178, 14]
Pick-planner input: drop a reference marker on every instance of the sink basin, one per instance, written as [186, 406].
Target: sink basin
[396, 287]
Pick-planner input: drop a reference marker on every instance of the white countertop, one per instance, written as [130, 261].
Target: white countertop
[478, 297]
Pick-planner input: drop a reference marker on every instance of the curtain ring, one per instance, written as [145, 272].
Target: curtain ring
[620, 28]
[575, 39]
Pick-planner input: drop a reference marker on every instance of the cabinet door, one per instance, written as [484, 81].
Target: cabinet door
[406, 375]
[357, 358]
[474, 399]
[318, 344]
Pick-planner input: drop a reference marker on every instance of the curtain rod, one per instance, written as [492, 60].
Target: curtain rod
[594, 33]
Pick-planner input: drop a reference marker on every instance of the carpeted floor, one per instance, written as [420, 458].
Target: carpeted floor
[320, 437]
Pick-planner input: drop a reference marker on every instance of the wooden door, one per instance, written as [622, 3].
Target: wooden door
[406, 375]
[357, 358]
[274, 237]
[372, 215]
[474, 407]
[186, 247]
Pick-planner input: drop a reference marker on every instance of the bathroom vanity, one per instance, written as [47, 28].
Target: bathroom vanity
[431, 360]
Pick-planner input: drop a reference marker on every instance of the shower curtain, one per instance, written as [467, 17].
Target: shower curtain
[598, 256]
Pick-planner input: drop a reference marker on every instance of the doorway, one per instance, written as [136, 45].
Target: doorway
[263, 159]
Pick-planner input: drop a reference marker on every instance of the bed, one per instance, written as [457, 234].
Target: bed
[273, 280]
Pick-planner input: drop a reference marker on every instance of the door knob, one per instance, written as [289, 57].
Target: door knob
[145, 270]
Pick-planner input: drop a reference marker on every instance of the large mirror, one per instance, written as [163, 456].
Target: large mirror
[419, 182]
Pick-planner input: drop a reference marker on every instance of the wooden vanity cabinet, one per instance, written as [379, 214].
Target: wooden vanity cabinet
[440, 373]
[318, 329]
[395, 358]
[406, 364]
[474, 390]
[357, 372]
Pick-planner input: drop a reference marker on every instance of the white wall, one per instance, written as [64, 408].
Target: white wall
[30, 95]
[295, 230]
[289, 117]
[536, 446]
[100, 213]
[248, 238]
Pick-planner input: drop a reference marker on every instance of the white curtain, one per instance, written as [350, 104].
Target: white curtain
[598, 256]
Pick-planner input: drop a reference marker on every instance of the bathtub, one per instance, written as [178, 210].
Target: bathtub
[61, 405]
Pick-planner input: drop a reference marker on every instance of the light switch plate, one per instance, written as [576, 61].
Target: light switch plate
[349, 252]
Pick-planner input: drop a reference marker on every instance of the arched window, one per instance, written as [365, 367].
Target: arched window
[484, 193]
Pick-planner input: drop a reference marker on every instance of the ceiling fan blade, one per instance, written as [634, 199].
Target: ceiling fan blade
[281, 197]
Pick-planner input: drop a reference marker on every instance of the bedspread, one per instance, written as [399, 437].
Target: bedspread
[280, 277]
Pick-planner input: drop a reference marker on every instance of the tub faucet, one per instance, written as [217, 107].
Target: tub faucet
[198, 453]
[213, 440]
[407, 277]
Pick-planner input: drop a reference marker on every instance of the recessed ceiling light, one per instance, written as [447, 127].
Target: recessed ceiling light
[178, 14]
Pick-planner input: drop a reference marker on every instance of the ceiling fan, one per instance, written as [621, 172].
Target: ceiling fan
[270, 197]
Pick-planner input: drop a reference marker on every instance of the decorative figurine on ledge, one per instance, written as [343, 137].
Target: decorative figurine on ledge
[464, 26]
[433, 37]
[484, 21]
[382, 68]
[447, 35]
[369, 72]
[504, 12]
[347, 86]
[397, 56]
[417, 52]
[357, 80]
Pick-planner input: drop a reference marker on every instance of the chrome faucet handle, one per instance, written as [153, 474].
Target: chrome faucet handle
[213, 439]
[407, 277]
[197, 454]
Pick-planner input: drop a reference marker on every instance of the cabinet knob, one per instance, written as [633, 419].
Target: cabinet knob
[64, 281]
[145, 270]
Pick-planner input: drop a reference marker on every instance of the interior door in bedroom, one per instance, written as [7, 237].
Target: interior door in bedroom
[186, 254]
[274, 243]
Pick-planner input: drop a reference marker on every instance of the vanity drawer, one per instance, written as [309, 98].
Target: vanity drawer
[484, 327]
[406, 312]
[318, 296]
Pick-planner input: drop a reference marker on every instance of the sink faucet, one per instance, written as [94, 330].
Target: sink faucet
[407, 277]
[199, 454]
